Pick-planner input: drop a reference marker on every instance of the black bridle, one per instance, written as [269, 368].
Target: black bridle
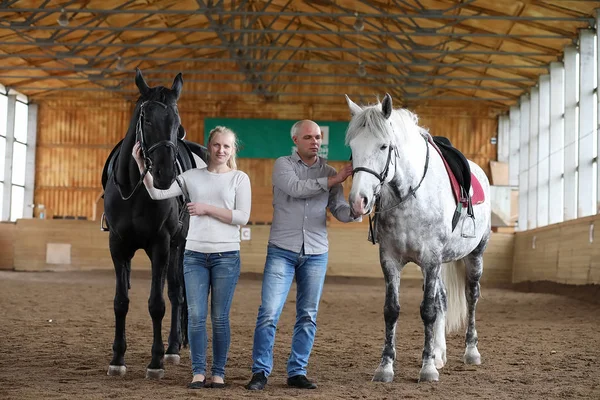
[139, 133]
[383, 173]
[382, 177]
[140, 137]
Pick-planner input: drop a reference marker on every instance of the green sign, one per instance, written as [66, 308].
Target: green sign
[271, 138]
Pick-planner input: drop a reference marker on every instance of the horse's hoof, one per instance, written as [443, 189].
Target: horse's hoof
[155, 373]
[116, 370]
[429, 374]
[174, 359]
[384, 374]
[472, 356]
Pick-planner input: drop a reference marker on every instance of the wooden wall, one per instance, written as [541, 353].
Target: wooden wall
[565, 253]
[7, 234]
[85, 247]
[75, 135]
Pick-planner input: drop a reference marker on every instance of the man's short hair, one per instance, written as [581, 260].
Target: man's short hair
[296, 128]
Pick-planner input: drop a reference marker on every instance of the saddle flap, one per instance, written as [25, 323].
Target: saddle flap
[459, 172]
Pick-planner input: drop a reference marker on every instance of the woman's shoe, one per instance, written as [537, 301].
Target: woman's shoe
[217, 385]
[197, 384]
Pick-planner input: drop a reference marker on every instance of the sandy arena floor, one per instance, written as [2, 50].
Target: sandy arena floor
[57, 330]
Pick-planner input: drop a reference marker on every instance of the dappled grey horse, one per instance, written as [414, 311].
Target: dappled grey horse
[399, 173]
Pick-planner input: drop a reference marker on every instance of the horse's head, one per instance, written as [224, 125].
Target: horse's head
[373, 142]
[157, 128]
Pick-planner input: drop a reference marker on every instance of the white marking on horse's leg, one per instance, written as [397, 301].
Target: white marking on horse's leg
[429, 311]
[116, 370]
[472, 356]
[428, 372]
[174, 359]
[384, 373]
[391, 311]
[439, 341]
[474, 265]
[439, 327]
[155, 373]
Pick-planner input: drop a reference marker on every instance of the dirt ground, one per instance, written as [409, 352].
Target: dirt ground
[56, 334]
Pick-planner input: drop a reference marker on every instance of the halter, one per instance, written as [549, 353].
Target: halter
[139, 132]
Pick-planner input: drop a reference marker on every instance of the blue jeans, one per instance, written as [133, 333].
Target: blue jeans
[280, 267]
[203, 271]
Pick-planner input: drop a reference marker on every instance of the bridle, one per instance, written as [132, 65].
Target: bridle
[139, 133]
[381, 176]
[382, 179]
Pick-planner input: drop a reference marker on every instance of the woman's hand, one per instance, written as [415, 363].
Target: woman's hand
[197, 209]
[137, 155]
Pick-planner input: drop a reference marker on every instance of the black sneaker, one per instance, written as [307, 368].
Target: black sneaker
[258, 381]
[300, 382]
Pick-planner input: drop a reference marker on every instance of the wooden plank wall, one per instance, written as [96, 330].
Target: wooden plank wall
[565, 253]
[89, 250]
[7, 235]
[75, 136]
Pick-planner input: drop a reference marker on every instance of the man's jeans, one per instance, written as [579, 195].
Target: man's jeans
[203, 272]
[280, 267]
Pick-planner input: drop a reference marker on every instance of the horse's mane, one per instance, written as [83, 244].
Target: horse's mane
[371, 119]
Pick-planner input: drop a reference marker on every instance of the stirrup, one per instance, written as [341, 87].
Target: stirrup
[462, 227]
[103, 224]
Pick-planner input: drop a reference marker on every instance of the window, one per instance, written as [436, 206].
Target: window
[19, 161]
[3, 121]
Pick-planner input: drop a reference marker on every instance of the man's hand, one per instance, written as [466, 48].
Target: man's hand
[345, 172]
[341, 176]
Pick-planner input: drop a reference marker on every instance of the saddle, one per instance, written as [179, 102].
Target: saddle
[462, 180]
[189, 156]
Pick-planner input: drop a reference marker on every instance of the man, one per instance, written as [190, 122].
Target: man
[304, 186]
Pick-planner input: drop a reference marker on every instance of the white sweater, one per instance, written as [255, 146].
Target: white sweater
[230, 190]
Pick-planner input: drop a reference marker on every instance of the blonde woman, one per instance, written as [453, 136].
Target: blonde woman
[220, 202]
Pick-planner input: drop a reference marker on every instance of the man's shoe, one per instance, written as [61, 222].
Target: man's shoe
[300, 382]
[258, 381]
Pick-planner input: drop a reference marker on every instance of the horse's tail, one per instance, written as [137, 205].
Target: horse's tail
[454, 278]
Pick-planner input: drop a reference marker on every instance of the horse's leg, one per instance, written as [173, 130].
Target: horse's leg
[159, 255]
[175, 291]
[121, 255]
[439, 328]
[474, 266]
[391, 310]
[428, 314]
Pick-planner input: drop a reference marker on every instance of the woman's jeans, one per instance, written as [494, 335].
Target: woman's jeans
[280, 268]
[206, 272]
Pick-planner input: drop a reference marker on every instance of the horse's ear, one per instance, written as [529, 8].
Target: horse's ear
[386, 106]
[354, 108]
[180, 132]
[177, 84]
[141, 83]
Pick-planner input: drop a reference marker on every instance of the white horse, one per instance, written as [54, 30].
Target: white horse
[399, 171]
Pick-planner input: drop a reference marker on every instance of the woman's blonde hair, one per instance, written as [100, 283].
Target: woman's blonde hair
[221, 129]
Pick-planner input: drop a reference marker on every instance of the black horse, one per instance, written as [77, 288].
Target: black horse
[135, 221]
